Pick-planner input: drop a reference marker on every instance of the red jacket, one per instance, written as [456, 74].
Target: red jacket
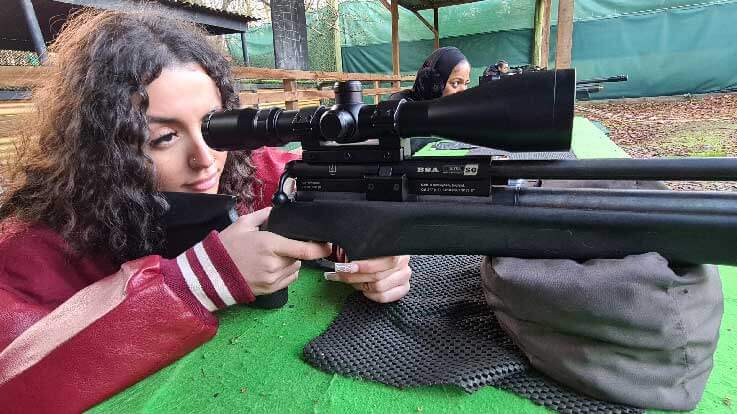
[66, 320]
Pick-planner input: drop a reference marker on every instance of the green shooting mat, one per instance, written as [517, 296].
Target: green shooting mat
[254, 364]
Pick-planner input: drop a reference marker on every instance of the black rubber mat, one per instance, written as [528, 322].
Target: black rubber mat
[442, 332]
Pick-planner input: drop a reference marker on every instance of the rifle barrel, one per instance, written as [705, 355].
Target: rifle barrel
[618, 78]
[673, 169]
[652, 201]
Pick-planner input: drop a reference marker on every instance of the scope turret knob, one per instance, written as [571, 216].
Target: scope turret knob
[336, 125]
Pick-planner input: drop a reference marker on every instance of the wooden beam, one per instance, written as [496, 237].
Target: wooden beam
[21, 76]
[565, 35]
[395, 37]
[29, 76]
[541, 41]
[429, 26]
[423, 20]
[386, 4]
[377, 98]
[240, 72]
[256, 98]
[436, 28]
[291, 100]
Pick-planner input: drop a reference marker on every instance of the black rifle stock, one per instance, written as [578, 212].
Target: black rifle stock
[356, 186]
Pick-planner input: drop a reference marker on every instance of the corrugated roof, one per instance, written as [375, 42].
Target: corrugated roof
[51, 15]
[193, 5]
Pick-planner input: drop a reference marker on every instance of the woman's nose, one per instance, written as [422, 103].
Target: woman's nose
[200, 155]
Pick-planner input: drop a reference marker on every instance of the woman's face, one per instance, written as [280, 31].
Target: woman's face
[178, 99]
[459, 79]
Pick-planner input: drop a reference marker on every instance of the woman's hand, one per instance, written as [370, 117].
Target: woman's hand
[267, 261]
[384, 279]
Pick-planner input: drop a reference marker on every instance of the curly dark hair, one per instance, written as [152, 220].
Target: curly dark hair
[86, 175]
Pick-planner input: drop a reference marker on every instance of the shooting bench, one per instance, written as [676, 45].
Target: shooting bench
[254, 364]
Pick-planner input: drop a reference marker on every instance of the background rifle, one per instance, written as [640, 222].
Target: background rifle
[356, 187]
[585, 88]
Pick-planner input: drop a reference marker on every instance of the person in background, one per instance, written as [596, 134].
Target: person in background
[445, 72]
[503, 67]
[86, 306]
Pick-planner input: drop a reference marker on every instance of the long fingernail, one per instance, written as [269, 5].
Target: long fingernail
[346, 267]
[330, 276]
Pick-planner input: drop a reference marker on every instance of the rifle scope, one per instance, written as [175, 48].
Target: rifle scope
[532, 111]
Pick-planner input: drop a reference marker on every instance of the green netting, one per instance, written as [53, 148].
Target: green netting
[605, 9]
[665, 47]
[365, 22]
[368, 22]
[678, 51]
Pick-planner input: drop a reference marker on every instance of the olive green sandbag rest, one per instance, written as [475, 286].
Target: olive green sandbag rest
[633, 331]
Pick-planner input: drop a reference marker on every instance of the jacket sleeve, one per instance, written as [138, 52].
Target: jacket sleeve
[114, 332]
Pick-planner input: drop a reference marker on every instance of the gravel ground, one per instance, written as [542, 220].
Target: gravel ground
[687, 126]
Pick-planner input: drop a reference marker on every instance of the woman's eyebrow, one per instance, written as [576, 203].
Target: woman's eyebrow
[169, 120]
[162, 120]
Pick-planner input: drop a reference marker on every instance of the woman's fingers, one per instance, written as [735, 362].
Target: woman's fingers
[388, 296]
[371, 270]
[377, 265]
[252, 221]
[286, 281]
[285, 247]
[394, 279]
[388, 283]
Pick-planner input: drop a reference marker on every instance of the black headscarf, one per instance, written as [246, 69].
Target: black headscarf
[433, 75]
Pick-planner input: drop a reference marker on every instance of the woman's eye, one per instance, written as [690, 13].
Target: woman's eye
[163, 140]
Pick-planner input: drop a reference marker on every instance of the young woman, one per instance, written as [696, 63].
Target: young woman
[85, 308]
[445, 72]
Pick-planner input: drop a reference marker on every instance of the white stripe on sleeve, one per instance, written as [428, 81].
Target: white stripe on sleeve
[213, 274]
[194, 285]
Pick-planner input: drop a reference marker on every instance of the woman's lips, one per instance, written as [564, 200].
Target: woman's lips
[204, 184]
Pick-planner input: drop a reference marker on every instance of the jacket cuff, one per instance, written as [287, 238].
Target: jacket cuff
[206, 276]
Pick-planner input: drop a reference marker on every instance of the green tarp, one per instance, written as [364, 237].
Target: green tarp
[665, 47]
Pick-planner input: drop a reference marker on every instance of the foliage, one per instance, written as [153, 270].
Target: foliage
[18, 58]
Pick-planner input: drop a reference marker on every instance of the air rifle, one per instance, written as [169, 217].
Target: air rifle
[357, 187]
[584, 88]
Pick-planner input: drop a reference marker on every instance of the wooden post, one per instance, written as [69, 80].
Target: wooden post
[565, 35]
[244, 44]
[290, 85]
[395, 37]
[541, 43]
[436, 27]
[377, 97]
[336, 37]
